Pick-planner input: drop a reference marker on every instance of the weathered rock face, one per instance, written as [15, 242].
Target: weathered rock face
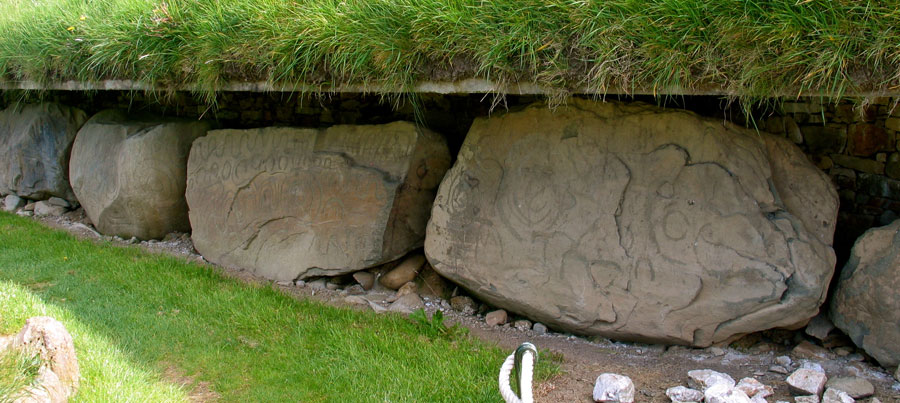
[635, 222]
[35, 141]
[59, 378]
[865, 304]
[289, 202]
[129, 173]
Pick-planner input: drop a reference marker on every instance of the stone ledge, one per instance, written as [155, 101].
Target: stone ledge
[466, 86]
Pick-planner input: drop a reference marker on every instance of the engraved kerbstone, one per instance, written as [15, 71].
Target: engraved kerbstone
[635, 222]
[865, 303]
[35, 141]
[129, 173]
[292, 202]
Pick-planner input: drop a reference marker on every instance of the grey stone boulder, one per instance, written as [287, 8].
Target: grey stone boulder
[866, 304]
[681, 394]
[807, 382]
[12, 203]
[365, 279]
[291, 203]
[45, 208]
[613, 388]
[35, 141]
[407, 304]
[853, 386]
[405, 272]
[635, 222]
[703, 379]
[129, 173]
[495, 318]
[722, 393]
[836, 396]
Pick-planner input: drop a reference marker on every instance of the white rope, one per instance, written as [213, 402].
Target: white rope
[527, 367]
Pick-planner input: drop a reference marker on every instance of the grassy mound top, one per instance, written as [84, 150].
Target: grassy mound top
[748, 48]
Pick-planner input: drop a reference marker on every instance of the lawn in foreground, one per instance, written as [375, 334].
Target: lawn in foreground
[135, 316]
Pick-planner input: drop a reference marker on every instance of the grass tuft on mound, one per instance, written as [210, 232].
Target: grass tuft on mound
[746, 48]
[18, 370]
[145, 324]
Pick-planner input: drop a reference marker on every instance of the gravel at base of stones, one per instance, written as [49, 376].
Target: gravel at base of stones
[652, 369]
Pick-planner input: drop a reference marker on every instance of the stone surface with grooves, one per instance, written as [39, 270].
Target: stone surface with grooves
[290, 202]
[35, 141]
[635, 222]
[129, 173]
[865, 304]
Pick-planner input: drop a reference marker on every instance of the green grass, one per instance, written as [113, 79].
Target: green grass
[18, 369]
[134, 316]
[749, 48]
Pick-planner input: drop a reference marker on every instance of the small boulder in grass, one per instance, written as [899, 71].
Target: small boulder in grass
[703, 379]
[59, 377]
[836, 396]
[681, 394]
[806, 381]
[613, 388]
[755, 388]
[722, 393]
[495, 318]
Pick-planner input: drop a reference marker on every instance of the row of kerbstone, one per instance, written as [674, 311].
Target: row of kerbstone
[601, 218]
[314, 202]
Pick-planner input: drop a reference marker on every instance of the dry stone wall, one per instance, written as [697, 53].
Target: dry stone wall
[857, 147]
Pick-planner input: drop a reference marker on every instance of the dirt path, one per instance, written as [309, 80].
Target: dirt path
[653, 368]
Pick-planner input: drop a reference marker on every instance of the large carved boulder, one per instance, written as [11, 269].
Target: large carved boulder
[290, 202]
[866, 303]
[635, 222]
[129, 173]
[35, 141]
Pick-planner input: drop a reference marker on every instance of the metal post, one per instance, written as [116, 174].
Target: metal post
[520, 352]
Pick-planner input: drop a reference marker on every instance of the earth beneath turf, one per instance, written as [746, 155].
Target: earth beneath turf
[652, 368]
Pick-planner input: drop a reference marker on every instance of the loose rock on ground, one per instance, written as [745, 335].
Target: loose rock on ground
[807, 381]
[613, 388]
